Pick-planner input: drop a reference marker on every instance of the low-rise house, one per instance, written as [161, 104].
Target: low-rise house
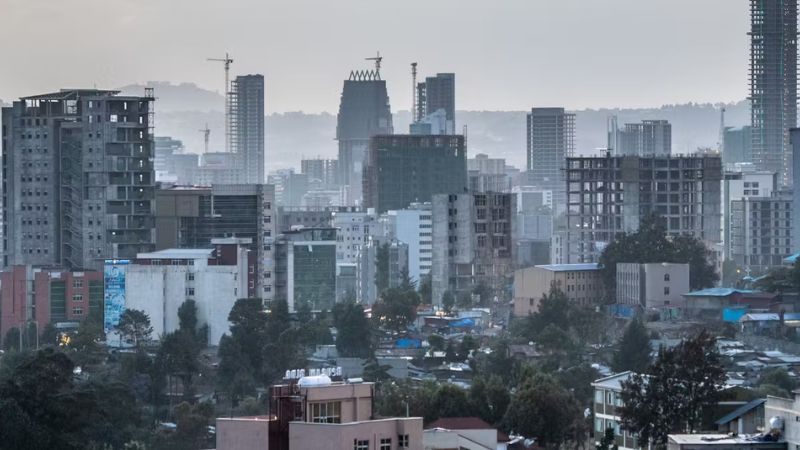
[607, 402]
[581, 284]
[722, 442]
[463, 433]
[747, 419]
[711, 302]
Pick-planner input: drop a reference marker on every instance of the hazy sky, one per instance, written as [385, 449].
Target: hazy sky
[507, 54]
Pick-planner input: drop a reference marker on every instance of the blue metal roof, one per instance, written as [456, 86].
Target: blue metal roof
[720, 292]
[740, 411]
[569, 267]
[791, 259]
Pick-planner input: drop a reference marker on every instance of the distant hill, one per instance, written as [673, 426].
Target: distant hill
[179, 97]
[183, 109]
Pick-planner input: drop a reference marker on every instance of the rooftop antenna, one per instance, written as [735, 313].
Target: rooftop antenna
[377, 60]
[206, 134]
[413, 92]
[227, 60]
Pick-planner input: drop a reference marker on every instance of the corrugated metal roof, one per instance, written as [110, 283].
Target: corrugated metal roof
[569, 267]
[720, 292]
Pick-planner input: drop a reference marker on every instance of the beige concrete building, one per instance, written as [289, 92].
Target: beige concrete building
[652, 285]
[316, 413]
[463, 433]
[580, 282]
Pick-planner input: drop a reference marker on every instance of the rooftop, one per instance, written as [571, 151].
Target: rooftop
[465, 423]
[613, 381]
[719, 439]
[178, 253]
[740, 411]
[720, 292]
[569, 267]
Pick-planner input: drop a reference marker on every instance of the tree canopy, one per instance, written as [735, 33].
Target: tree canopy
[651, 244]
[633, 349]
[680, 384]
[134, 327]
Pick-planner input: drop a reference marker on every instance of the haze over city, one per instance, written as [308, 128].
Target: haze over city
[399, 225]
[509, 55]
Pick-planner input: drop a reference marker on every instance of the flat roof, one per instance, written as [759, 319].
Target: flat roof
[569, 267]
[720, 439]
[178, 253]
[720, 292]
[613, 381]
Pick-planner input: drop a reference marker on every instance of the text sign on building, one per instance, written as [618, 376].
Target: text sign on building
[296, 374]
[114, 271]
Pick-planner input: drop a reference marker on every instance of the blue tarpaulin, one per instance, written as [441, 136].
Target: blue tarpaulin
[733, 314]
[408, 343]
[463, 323]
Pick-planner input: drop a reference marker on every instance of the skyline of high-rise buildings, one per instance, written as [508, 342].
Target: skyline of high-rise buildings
[773, 84]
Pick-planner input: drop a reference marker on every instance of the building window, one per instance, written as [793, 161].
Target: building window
[402, 441]
[189, 276]
[598, 425]
[666, 277]
[386, 444]
[326, 412]
[77, 298]
[666, 290]
[77, 311]
[190, 292]
[77, 283]
[360, 445]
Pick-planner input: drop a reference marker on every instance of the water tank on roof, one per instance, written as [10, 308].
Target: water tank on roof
[776, 423]
[316, 380]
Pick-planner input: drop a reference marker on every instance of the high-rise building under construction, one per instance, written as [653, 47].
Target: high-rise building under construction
[773, 84]
[363, 112]
[438, 93]
[246, 118]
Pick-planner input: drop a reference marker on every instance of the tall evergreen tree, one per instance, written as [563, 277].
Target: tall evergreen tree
[633, 352]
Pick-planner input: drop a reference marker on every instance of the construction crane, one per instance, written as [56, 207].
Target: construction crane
[414, 118]
[227, 60]
[377, 60]
[206, 134]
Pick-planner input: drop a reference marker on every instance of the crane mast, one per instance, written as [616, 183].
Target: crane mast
[227, 60]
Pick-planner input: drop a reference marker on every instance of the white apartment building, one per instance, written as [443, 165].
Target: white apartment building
[652, 285]
[414, 227]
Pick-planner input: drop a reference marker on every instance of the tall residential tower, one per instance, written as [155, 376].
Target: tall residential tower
[551, 139]
[773, 84]
[246, 103]
[78, 178]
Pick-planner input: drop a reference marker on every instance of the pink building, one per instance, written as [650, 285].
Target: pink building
[44, 295]
[316, 413]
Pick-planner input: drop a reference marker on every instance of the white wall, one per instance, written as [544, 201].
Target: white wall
[160, 290]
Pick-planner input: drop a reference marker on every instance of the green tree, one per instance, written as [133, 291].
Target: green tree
[187, 316]
[777, 376]
[42, 407]
[397, 308]
[49, 335]
[464, 300]
[490, 398]
[248, 329]
[681, 383]
[11, 339]
[382, 267]
[777, 280]
[353, 330]
[483, 292]
[437, 342]
[449, 401]
[134, 327]
[633, 349]
[467, 345]
[650, 244]
[608, 441]
[448, 301]
[545, 410]
[426, 289]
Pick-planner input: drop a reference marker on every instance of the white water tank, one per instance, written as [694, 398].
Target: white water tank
[316, 380]
[776, 423]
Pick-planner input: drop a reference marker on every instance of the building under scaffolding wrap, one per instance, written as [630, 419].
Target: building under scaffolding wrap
[363, 112]
[78, 178]
[773, 84]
